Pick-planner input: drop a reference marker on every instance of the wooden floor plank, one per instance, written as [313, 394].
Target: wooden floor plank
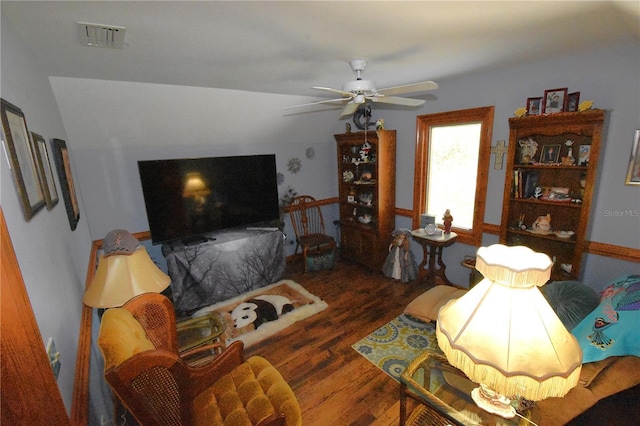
[333, 383]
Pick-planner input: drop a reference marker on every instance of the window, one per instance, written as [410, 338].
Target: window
[452, 167]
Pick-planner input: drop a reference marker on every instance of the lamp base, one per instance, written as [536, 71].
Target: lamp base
[493, 402]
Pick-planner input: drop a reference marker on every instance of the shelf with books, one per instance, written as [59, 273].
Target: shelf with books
[552, 167]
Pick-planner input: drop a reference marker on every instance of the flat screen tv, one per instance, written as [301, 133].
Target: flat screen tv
[188, 199]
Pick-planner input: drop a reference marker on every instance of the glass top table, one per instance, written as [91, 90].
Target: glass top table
[439, 394]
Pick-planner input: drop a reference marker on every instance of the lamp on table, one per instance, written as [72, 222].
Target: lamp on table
[505, 336]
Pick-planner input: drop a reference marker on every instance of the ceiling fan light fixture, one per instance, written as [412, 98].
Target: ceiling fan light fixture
[359, 86]
[359, 99]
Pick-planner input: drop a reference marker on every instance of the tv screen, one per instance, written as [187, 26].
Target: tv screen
[188, 198]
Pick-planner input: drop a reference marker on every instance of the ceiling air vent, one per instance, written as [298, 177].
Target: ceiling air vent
[97, 35]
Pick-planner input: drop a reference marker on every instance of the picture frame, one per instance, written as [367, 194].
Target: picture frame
[18, 148]
[583, 155]
[550, 154]
[67, 187]
[573, 100]
[554, 100]
[45, 172]
[633, 173]
[534, 106]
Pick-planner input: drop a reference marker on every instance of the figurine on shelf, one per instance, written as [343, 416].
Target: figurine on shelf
[365, 149]
[447, 219]
[542, 224]
[380, 124]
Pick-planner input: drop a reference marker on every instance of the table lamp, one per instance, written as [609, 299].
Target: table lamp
[505, 336]
[125, 270]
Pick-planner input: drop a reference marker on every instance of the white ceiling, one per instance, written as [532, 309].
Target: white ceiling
[287, 47]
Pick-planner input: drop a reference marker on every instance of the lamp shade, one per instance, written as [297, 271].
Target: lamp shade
[503, 334]
[125, 270]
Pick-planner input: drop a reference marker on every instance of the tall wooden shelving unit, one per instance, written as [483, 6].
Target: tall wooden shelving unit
[367, 191]
[568, 214]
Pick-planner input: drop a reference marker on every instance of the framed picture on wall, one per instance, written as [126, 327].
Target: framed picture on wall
[554, 100]
[633, 173]
[63, 167]
[45, 173]
[19, 151]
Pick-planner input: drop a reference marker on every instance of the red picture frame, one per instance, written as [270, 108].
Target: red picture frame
[534, 106]
[554, 100]
[573, 100]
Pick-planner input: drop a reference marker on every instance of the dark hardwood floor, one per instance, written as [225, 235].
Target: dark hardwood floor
[333, 383]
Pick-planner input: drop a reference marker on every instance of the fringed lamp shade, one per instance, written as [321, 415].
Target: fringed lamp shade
[504, 335]
[125, 270]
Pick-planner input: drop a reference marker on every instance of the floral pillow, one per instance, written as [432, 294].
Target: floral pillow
[612, 328]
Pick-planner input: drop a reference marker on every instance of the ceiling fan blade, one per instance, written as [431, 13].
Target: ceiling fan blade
[409, 88]
[341, 92]
[398, 101]
[342, 100]
[349, 109]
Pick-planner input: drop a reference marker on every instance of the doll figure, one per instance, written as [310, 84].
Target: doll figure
[400, 263]
[447, 219]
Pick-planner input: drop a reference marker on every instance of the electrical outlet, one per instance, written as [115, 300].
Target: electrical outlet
[54, 357]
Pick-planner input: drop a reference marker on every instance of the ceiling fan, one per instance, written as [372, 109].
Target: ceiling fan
[357, 92]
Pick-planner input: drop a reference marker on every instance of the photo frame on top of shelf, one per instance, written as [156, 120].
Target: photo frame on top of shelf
[63, 167]
[550, 154]
[583, 155]
[19, 151]
[573, 100]
[633, 173]
[554, 100]
[45, 173]
[534, 106]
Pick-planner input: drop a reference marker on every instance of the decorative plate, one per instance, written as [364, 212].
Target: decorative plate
[564, 234]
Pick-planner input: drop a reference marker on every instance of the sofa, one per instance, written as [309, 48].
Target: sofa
[606, 327]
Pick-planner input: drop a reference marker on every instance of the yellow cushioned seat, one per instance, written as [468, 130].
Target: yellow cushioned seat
[146, 372]
[252, 392]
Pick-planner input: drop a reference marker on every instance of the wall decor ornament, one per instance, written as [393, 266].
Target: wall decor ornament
[310, 153]
[294, 165]
[21, 158]
[45, 173]
[63, 167]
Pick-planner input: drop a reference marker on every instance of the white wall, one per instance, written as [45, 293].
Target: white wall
[52, 258]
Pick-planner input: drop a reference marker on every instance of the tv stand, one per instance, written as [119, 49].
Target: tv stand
[224, 265]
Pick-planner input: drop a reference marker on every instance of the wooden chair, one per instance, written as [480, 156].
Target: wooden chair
[158, 387]
[308, 225]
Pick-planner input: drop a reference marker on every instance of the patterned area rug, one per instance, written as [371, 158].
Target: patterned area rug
[254, 316]
[394, 345]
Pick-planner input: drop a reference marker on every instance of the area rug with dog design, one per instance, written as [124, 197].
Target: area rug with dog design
[254, 316]
[393, 346]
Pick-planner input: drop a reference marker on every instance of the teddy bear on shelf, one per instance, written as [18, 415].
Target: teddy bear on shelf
[400, 263]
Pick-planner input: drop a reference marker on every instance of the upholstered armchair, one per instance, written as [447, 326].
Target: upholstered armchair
[146, 372]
